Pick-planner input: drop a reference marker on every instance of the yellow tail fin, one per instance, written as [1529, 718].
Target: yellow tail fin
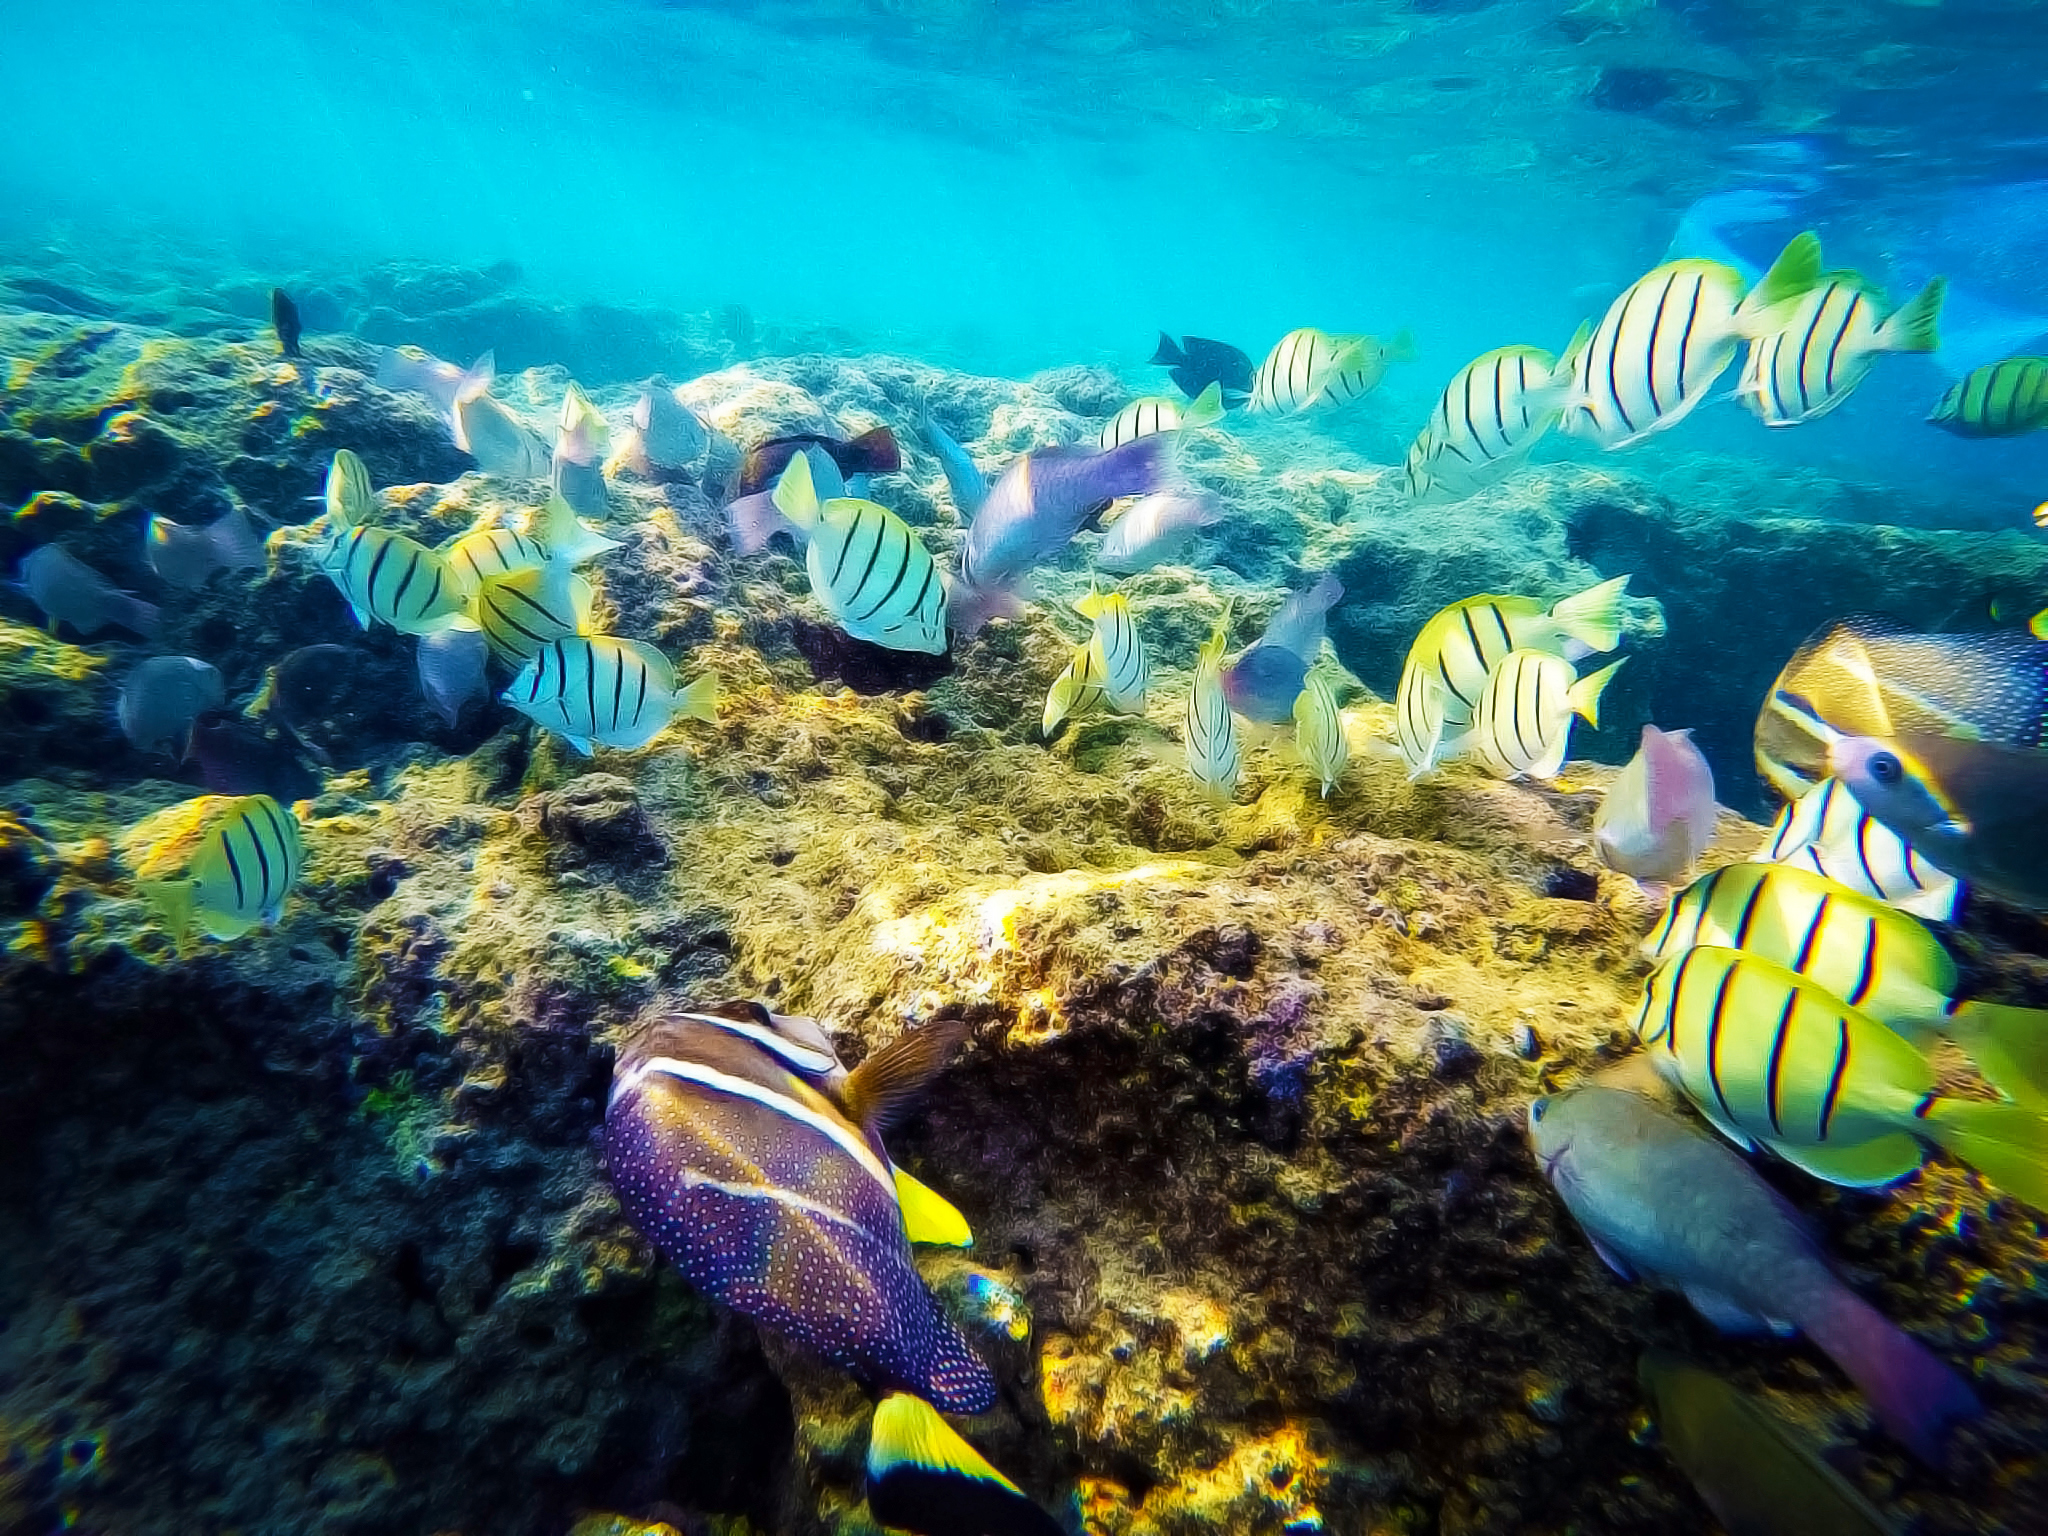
[2007, 1143]
[2009, 1046]
[1913, 327]
[1585, 693]
[1206, 409]
[699, 701]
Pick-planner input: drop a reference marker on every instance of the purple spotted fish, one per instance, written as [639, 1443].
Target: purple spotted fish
[752, 1159]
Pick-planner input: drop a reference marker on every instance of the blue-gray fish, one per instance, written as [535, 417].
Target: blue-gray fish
[164, 697]
[664, 434]
[1263, 683]
[490, 432]
[1156, 529]
[185, 557]
[744, 1152]
[71, 592]
[582, 443]
[451, 667]
[964, 479]
[1034, 510]
[1667, 1202]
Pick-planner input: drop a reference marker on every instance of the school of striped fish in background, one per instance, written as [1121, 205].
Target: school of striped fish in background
[1796, 1001]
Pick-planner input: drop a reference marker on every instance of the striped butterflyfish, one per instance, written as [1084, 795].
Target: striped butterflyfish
[1875, 958]
[1111, 664]
[745, 1153]
[1772, 1058]
[1657, 352]
[1209, 731]
[1487, 419]
[1319, 739]
[922, 1477]
[868, 567]
[1827, 832]
[222, 864]
[2002, 399]
[1161, 413]
[1523, 726]
[1447, 666]
[1825, 343]
[521, 611]
[1310, 367]
[600, 691]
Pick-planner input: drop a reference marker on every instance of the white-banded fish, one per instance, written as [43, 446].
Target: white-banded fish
[867, 566]
[2001, 399]
[1524, 722]
[1454, 653]
[1319, 733]
[1310, 367]
[599, 690]
[221, 864]
[1825, 345]
[1772, 1058]
[521, 611]
[1489, 416]
[1209, 730]
[1658, 350]
[391, 578]
[1827, 832]
[349, 495]
[1160, 413]
[1111, 665]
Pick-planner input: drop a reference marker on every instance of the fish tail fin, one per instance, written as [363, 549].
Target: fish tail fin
[1914, 325]
[699, 701]
[1402, 348]
[1915, 1396]
[1593, 617]
[1211, 653]
[2006, 1143]
[176, 905]
[873, 452]
[1206, 409]
[563, 534]
[795, 494]
[1796, 271]
[2008, 1045]
[1059, 700]
[883, 1087]
[477, 378]
[1168, 353]
[1585, 693]
[923, 1477]
[236, 543]
[928, 1216]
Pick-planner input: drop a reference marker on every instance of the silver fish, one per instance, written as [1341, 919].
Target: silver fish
[71, 592]
[1156, 529]
[185, 557]
[164, 697]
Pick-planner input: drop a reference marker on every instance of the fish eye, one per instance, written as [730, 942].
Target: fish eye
[1885, 768]
[1536, 1110]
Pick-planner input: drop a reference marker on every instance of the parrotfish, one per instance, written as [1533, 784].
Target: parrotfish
[1263, 683]
[600, 691]
[163, 698]
[743, 1151]
[451, 668]
[1043, 499]
[185, 557]
[964, 479]
[873, 452]
[1657, 817]
[71, 592]
[1195, 362]
[582, 443]
[1664, 1201]
[1156, 529]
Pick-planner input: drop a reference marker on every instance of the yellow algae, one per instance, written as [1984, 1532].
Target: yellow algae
[159, 846]
[40, 652]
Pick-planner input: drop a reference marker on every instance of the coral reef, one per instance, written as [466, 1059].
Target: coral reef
[310, 1232]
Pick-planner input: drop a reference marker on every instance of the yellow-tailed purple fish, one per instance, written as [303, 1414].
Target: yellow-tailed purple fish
[868, 567]
[600, 691]
[743, 1151]
[1524, 723]
[218, 863]
[1662, 1201]
[923, 1478]
[1263, 682]
[1657, 817]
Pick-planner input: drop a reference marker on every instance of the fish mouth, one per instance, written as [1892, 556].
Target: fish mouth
[1552, 1160]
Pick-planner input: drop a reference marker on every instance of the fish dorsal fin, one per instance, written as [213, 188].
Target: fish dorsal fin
[1795, 272]
[882, 1088]
[1568, 361]
[928, 1216]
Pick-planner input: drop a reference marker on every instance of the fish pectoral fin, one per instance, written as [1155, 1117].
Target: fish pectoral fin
[1611, 1259]
[582, 744]
[362, 615]
[883, 1087]
[928, 1216]
[1726, 1314]
[1868, 1165]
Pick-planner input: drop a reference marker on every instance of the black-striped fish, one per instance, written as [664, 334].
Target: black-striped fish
[1209, 731]
[1524, 723]
[597, 690]
[1112, 664]
[221, 864]
[2002, 399]
[1309, 367]
[494, 551]
[1772, 1058]
[1319, 739]
[1829, 833]
[1873, 957]
[392, 579]
[923, 1478]
[1161, 413]
[522, 611]
[1447, 666]
[868, 567]
[1825, 344]
[1489, 416]
[748, 1156]
[1658, 350]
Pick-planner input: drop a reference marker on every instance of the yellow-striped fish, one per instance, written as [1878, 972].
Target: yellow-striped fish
[597, 690]
[1658, 350]
[224, 865]
[522, 611]
[1210, 733]
[2002, 399]
[1309, 367]
[1319, 733]
[1112, 664]
[1455, 652]
[1524, 722]
[1161, 413]
[1488, 418]
[350, 499]
[1827, 832]
[868, 567]
[487, 552]
[1825, 343]
[1772, 1058]
[391, 578]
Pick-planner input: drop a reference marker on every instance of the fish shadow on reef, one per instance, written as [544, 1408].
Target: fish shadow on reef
[864, 667]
